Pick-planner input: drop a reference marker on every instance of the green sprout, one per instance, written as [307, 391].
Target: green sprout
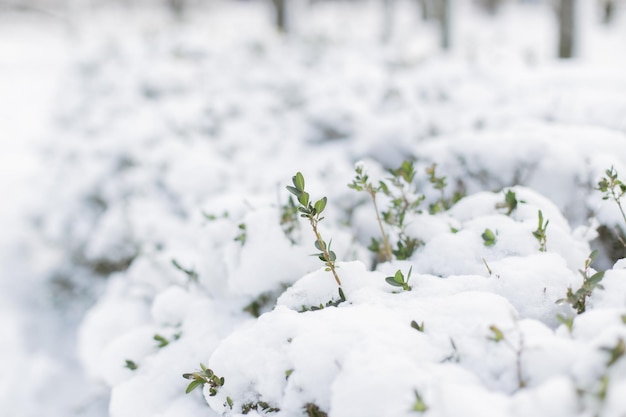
[313, 212]
[577, 299]
[613, 188]
[489, 238]
[510, 202]
[241, 237]
[419, 405]
[498, 336]
[417, 326]
[205, 376]
[540, 233]
[132, 365]
[398, 280]
[360, 183]
[191, 274]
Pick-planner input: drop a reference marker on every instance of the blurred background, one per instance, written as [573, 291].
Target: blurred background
[119, 117]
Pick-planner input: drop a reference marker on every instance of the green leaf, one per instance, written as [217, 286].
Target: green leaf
[593, 256]
[294, 191]
[192, 386]
[416, 326]
[497, 334]
[303, 198]
[399, 277]
[318, 246]
[489, 239]
[320, 205]
[332, 255]
[596, 278]
[298, 181]
[392, 281]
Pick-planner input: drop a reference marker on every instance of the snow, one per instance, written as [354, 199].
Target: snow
[147, 230]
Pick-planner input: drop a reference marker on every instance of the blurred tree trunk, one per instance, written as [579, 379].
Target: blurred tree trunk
[281, 14]
[177, 7]
[608, 11]
[427, 8]
[388, 7]
[443, 14]
[566, 12]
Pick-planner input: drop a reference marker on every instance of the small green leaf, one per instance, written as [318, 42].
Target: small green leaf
[320, 205]
[593, 256]
[298, 181]
[131, 365]
[416, 326]
[192, 386]
[294, 191]
[303, 198]
[229, 401]
[399, 277]
[392, 281]
[489, 239]
[497, 334]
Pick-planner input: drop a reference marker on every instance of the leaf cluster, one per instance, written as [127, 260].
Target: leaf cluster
[613, 188]
[258, 406]
[439, 183]
[510, 202]
[289, 219]
[205, 376]
[312, 212]
[330, 303]
[313, 410]
[241, 237]
[577, 299]
[489, 238]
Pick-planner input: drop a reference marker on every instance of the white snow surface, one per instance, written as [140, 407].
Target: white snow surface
[145, 229]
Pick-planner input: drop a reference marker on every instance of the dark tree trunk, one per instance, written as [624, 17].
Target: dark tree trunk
[444, 22]
[566, 11]
[428, 9]
[281, 14]
[177, 7]
[608, 11]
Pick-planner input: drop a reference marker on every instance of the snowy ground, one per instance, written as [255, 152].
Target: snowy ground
[131, 141]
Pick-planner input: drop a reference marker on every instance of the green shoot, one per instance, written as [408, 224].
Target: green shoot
[498, 336]
[360, 183]
[616, 352]
[289, 219]
[312, 212]
[419, 405]
[205, 376]
[577, 299]
[241, 237]
[193, 275]
[540, 233]
[510, 202]
[613, 188]
[398, 280]
[417, 326]
[131, 365]
[489, 238]
[568, 321]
